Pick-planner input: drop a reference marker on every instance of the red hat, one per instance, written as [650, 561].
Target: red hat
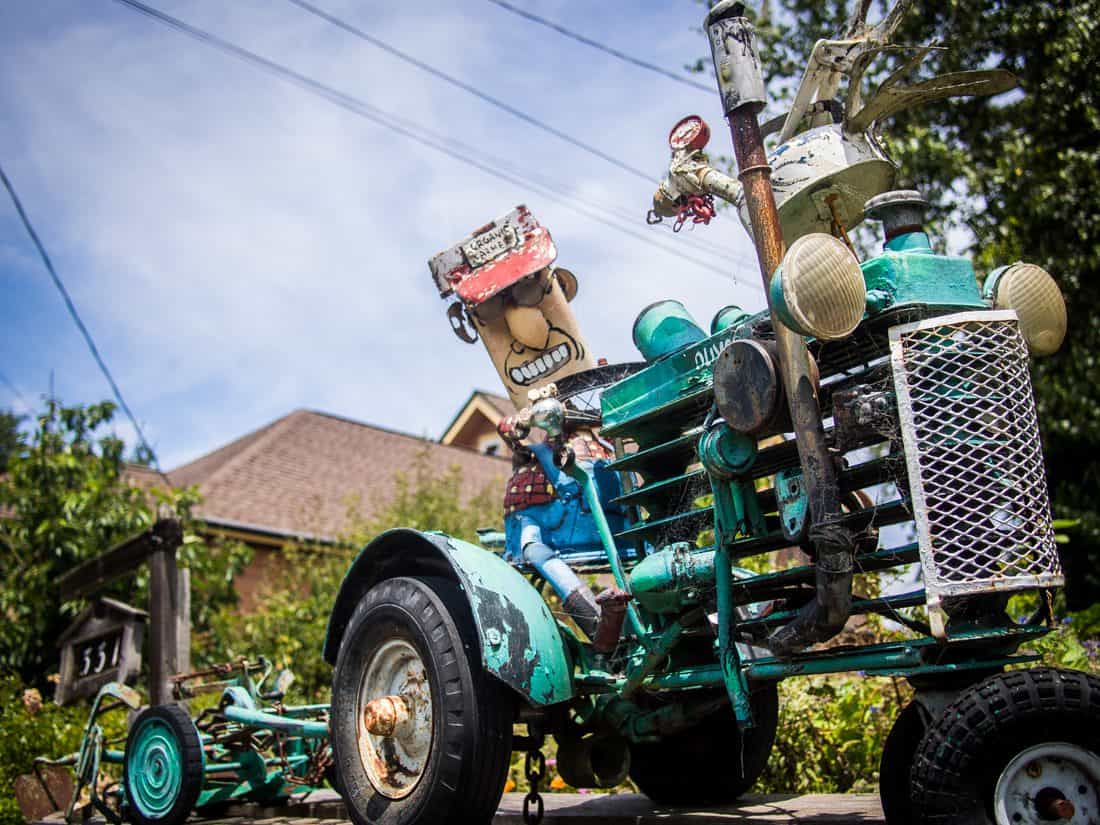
[494, 257]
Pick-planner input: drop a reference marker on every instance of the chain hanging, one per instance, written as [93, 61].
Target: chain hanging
[699, 208]
[535, 769]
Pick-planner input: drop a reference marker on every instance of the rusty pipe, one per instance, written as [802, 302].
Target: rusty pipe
[740, 82]
[818, 469]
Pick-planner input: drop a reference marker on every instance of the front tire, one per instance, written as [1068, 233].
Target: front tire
[447, 762]
[712, 763]
[1012, 750]
[163, 767]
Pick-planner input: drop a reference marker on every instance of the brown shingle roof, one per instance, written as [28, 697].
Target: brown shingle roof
[297, 475]
[502, 403]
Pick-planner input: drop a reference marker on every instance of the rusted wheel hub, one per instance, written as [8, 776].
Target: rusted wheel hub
[395, 718]
[1051, 782]
[382, 717]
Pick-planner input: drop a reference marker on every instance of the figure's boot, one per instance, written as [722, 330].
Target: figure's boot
[612, 606]
[576, 597]
[582, 608]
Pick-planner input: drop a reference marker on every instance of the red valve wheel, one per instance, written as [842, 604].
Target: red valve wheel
[690, 133]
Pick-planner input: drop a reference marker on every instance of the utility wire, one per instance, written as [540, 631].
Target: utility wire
[14, 390]
[550, 24]
[473, 90]
[397, 124]
[76, 318]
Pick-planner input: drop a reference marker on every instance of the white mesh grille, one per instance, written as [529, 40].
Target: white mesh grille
[973, 453]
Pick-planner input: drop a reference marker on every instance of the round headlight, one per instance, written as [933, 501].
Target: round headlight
[819, 290]
[1032, 292]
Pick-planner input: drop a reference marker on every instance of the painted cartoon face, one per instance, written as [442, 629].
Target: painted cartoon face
[532, 334]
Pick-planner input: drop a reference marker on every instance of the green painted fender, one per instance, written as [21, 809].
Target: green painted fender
[520, 641]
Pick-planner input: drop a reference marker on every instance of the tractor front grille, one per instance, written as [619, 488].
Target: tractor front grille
[973, 455]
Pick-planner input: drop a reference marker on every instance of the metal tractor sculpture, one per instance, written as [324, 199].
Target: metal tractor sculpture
[878, 415]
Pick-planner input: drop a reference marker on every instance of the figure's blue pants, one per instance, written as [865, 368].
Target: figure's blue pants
[548, 562]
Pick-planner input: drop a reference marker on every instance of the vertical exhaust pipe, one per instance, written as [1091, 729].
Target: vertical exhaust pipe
[741, 85]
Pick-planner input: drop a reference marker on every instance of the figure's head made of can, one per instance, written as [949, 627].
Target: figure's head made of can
[513, 298]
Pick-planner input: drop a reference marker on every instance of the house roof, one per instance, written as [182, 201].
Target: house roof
[498, 406]
[302, 474]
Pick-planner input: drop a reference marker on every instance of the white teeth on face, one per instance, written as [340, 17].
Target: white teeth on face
[537, 367]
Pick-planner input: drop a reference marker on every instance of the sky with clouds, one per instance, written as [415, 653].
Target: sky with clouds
[240, 248]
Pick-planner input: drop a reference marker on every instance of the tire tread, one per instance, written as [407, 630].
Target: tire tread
[972, 735]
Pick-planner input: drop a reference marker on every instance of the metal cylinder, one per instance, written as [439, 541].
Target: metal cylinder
[728, 317]
[664, 327]
[736, 62]
[666, 581]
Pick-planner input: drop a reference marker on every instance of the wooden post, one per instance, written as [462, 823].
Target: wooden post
[163, 598]
[183, 620]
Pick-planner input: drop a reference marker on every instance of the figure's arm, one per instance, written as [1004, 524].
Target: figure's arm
[544, 453]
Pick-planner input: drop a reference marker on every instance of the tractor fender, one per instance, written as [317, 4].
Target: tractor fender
[520, 641]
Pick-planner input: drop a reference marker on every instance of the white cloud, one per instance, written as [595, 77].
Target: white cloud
[240, 248]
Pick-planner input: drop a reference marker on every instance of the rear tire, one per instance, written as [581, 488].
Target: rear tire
[416, 638]
[712, 763]
[1006, 750]
[896, 766]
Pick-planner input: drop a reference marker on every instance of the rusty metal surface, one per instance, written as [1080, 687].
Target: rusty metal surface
[47, 790]
[747, 388]
[382, 716]
[817, 468]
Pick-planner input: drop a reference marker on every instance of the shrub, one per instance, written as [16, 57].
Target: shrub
[33, 727]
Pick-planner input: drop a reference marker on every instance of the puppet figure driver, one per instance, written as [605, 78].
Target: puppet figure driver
[513, 299]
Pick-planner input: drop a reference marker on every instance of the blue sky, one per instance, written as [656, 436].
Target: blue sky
[240, 248]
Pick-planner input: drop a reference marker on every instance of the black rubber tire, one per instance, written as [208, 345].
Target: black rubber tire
[472, 716]
[970, 743]
[712, 763]
[191, 769]
[896, 766]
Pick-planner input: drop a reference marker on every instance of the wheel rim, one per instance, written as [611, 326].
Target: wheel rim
[154, 769]
[395, 761]
[1050, 782]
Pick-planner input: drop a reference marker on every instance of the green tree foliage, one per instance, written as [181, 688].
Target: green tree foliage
[10, 437]
[1019, 175]
[289, 624]
[65, 499]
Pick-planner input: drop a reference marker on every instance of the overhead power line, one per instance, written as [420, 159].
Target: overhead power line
[580, 38]
[413, 131]
[14, 390]
[467, 87]
[77, 319]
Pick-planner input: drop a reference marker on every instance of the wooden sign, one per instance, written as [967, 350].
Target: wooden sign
[169, 606]
[102, 645]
